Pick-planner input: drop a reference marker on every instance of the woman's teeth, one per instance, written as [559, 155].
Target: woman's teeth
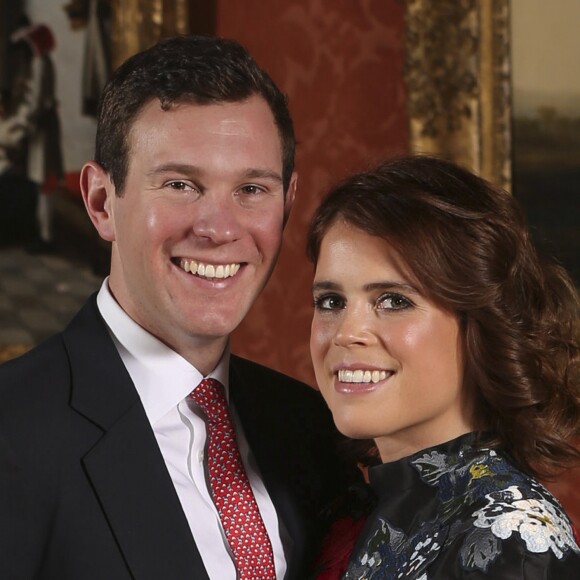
[360, 376]
[209, 270]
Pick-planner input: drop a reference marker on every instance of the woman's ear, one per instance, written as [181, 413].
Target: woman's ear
[98, 194]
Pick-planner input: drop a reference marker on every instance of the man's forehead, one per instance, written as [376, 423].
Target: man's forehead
[150, 117]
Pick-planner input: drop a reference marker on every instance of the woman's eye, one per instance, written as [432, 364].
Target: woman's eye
[328, 302]
[393, 302]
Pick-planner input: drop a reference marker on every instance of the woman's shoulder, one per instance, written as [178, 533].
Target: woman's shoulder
[491, 508]
[519, 525]
[487, 517]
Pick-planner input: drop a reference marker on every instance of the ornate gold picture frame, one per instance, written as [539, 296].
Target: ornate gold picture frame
[138, 24]
[458, 80]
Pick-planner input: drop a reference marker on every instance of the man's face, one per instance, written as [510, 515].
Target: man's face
[198, 227]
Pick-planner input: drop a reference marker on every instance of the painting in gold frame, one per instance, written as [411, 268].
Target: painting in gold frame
[458, 81]
[546, 128]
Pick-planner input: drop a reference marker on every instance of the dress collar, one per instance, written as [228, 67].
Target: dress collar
[396, 476]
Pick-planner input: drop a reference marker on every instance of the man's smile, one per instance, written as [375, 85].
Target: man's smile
[209, 270]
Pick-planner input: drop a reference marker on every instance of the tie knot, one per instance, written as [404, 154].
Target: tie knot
[210, 397]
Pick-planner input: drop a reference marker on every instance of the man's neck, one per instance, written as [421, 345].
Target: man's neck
[203, 355]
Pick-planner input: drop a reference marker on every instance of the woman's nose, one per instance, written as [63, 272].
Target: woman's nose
[353, 329]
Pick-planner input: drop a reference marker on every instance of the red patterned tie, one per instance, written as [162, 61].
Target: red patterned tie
[231, 490]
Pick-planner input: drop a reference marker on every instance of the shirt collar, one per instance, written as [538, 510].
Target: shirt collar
[161, 376]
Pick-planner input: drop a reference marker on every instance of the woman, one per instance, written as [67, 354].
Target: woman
[439, 333]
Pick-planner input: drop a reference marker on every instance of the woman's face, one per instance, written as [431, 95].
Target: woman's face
[387, 359]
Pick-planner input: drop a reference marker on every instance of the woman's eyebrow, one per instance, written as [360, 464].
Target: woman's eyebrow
[325, 285]
[381, 285]
[391, 285]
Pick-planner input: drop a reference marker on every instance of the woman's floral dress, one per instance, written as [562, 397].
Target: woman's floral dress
[457, 511]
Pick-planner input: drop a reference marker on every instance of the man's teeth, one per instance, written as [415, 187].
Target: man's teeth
[360, 376]
[209, 270]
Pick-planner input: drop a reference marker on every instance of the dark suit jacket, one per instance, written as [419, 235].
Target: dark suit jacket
[84, 491]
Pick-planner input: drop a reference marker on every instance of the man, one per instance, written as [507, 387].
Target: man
[108, 467]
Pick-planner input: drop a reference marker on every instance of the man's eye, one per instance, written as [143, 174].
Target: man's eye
[179, 185]
[328, 302]
[251, 189]
[393, 302]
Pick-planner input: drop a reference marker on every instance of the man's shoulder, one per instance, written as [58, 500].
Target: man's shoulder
[46, 367]
[271, 381]
[247, 366]
[34, 388]
[40, 361]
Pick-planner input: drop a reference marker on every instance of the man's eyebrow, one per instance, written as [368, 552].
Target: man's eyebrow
[257, 173]
[188, 169]
[182, 168]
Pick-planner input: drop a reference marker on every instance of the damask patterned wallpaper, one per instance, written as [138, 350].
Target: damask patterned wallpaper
[340, 62]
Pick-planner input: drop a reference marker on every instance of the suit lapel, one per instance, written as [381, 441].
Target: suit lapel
[125, 467]
[252, 407]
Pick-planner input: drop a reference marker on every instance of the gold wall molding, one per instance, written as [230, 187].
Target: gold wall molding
[138, 24]
[457, 75]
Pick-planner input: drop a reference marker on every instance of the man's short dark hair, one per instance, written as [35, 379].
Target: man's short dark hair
[196, 69]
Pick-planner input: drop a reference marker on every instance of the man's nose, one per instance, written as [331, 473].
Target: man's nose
[216, 218]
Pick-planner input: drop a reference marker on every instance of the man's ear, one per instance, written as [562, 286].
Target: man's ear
[290, 195]
[98, 194]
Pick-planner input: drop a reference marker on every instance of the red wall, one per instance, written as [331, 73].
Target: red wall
[340, 62]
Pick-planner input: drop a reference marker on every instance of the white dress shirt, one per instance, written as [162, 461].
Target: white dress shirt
[163, 380]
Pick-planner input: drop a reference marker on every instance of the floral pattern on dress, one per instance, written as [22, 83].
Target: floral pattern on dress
[539, 523]
[391, 555]
[482, 499]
